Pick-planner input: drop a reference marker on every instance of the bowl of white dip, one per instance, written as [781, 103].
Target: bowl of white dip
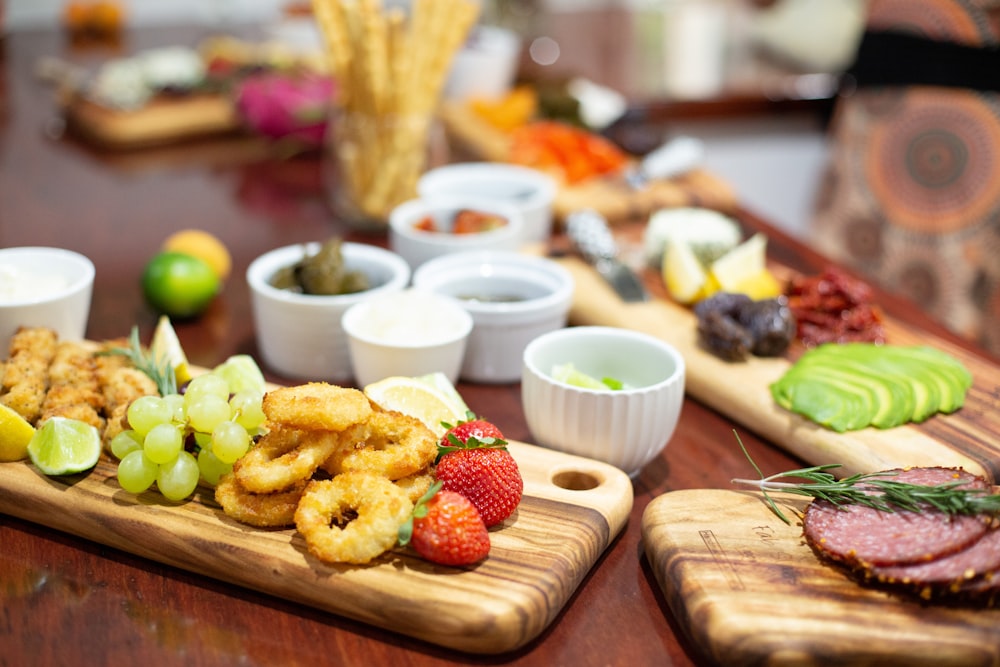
[44, 287]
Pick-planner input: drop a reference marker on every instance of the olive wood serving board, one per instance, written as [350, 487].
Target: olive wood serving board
[571, 511]
[969, 438]
[748, 590]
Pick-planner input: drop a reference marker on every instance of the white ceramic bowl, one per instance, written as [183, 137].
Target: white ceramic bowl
[529, 190]
[299, 335]
[44, 287]
[410, 333]
[512, 298]
[417, 246]
[626, 427]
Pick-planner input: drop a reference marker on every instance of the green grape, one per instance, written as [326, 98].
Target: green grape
[136, 472]
[208, 412]
[230, 441]
[212, 469]
[146, 412]
[177, 480]
[176, 403]
[208, 384]
[247, 410]
[203, 440]
[163, 443]
[125, 442]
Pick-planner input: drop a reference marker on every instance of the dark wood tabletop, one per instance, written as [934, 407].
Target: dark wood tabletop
[68, 601]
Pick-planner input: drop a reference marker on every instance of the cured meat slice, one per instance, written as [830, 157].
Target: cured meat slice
[968, 570]
[862, 537]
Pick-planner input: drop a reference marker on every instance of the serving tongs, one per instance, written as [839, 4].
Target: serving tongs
[590, 234]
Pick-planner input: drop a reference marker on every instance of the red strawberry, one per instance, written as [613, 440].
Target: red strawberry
[474, 461]
[446, 529]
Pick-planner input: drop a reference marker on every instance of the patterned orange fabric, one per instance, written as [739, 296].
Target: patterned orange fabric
[912, 195]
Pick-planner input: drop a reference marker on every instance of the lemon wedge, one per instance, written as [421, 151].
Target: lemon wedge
[418, 398]
[760, 286]
[166, 349]
[682, 272]
[15, 434]
[65, 446]
[744, 262]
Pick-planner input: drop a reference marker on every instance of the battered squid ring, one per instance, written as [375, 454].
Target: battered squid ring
[284, 456]
[263, 510]
[316, 406]
[416, 485]
[391, 444]
[351, 518]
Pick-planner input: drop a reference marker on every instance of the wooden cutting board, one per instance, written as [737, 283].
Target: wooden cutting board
[747, 590]
[969, 438]
[612, 197]
[571, 511]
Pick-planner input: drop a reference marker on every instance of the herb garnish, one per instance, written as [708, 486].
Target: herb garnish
[159, 370]
[876, 490]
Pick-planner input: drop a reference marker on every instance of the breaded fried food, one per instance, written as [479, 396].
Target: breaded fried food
[388, 443]
[26, 373]
[317, 406]
[120, 384]
[74, 391]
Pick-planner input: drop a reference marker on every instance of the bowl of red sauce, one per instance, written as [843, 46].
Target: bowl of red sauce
[425, 228]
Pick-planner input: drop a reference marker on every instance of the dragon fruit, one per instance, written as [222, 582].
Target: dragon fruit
[287, 105]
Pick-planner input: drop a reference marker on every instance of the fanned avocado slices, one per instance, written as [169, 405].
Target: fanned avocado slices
[850, 386]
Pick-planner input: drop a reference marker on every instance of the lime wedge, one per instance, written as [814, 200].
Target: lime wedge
[65, 446]
[569, 374]
[166, 349]
[242, 373]
[15, 434]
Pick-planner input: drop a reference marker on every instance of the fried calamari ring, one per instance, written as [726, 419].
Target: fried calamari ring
[351, 518]
[388, 443]
[263, 510]
[316, 406]
[284, 456]
[416, 485]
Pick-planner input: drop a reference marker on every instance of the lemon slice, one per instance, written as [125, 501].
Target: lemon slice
[760, 286]
[242, 373]
[682, 272]
[742, 263]
[65, 446]
[418, 398]
[166, 349]
[15, 434]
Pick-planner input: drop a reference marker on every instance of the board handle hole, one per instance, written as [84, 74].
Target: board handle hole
[575, 480]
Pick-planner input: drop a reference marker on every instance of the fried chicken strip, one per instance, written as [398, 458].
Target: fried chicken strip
[120, 384]
[74, 391]
[26, 374]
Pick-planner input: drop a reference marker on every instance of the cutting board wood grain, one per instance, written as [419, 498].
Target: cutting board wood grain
[747, 590]
[969, 438]
[571, 511]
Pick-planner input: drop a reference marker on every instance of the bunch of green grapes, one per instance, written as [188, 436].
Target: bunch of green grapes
[157, 446]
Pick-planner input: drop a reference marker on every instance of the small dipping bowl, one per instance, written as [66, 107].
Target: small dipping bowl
[44, 287]
[512, 298]
[531, 191]
[410, 333]
[417, 246]
[300, 335]
[625, 427]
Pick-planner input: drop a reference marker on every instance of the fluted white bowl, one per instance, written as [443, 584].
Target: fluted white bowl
[417, 246]
[531, 191]
[627, 427]
[300, 335]
[513, 299]
[44, 287]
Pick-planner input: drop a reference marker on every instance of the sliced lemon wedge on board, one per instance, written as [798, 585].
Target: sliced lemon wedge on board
[421, 398]
[15, 434]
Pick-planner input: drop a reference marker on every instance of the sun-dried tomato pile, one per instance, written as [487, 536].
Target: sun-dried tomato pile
[833, 307]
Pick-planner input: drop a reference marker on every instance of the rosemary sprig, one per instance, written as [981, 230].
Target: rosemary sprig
[876, 490]
[159, 370]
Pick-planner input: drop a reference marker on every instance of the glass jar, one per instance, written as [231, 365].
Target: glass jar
[375, 161]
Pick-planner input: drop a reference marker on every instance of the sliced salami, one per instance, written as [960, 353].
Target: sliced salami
[970, 569]
[863, 537]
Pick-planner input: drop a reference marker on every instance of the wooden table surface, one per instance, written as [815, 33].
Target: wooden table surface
[69, 601]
